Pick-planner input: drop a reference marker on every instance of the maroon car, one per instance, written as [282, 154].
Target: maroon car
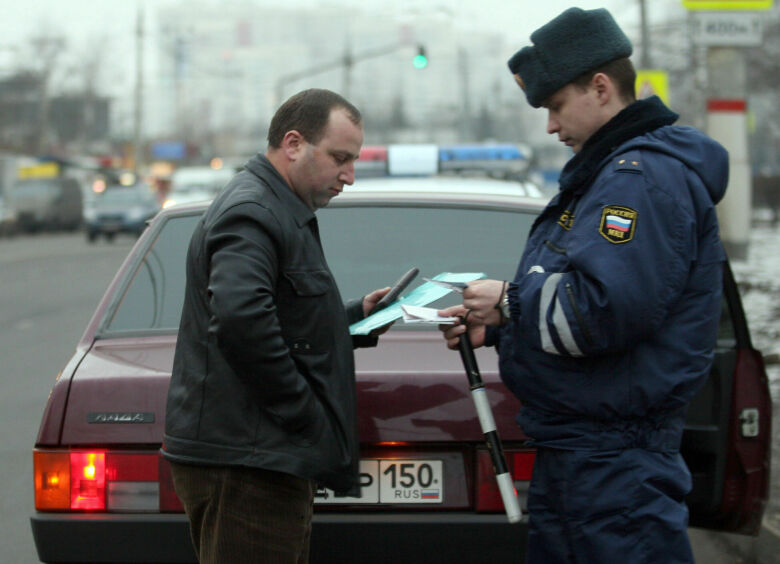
[104, 494]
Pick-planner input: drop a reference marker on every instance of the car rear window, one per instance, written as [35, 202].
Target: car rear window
[154, 296]
[366, 248]
[370, 247]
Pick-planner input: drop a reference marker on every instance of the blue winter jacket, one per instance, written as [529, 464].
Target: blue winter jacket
[617, 298]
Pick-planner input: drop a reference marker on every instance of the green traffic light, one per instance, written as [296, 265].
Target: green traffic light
[420, 61]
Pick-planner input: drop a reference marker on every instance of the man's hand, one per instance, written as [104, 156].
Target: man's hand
[369, 301]
[452, 333]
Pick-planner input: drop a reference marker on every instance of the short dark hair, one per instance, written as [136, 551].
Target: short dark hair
[622, 73]
[307, 112]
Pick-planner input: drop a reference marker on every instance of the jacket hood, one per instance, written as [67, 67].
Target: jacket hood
[647, 124]
[704, 156]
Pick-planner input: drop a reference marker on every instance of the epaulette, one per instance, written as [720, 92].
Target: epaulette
[628, 162]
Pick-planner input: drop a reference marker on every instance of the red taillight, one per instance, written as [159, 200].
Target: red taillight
[132, 467]
[169, 501]
[132, 482]
[88, 480]
[488, 496]
[82, 480]
[521, 464]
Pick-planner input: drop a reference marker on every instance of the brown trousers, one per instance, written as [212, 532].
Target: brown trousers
[246, 515]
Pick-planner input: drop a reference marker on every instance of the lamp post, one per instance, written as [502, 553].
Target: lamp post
[346, 62]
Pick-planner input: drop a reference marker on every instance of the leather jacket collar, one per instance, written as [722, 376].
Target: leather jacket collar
[260, 166]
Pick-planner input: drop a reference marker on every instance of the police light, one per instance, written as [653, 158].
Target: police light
[502, 159]
[494, 159]
[372, 161]
[420, 60]
[493, 152]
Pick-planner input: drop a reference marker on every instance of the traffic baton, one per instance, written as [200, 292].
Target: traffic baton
[478, 392]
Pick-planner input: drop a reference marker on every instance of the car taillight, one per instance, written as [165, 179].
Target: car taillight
[96, 480]
[88, 480]
[488, 496]
[52, 480]
[169, 501]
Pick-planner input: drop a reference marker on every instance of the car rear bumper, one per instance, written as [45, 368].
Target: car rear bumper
[336, 537]
[61, 537]
[465, 538]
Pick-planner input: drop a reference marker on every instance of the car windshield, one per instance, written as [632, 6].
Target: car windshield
[127, 196]
[366, 248]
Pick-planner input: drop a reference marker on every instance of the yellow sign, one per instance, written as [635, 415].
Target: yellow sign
[727, 4]
[43, 170]
[652, 83]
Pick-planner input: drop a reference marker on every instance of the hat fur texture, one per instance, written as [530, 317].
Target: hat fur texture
[575, 42]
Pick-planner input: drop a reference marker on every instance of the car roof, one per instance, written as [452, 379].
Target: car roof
[444, 190]
[200, 174]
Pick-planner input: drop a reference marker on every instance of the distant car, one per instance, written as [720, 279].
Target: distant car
[7, 219]
[196, 184]
[119, 209]
[429, 494]
[46, 203]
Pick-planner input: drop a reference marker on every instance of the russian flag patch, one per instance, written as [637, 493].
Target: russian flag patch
[618, 224]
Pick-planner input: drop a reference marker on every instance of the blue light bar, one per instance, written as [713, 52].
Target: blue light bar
[465, 153]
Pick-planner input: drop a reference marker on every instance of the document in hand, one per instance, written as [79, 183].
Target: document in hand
[421, 296]
[429, 315]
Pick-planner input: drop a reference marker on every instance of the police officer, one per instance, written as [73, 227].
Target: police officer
[608, 328]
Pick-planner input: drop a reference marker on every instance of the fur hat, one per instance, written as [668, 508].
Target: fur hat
[575, 42]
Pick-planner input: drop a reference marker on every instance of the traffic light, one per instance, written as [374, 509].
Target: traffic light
[420, 60]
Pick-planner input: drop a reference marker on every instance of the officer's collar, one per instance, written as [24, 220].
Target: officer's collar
[634, 120]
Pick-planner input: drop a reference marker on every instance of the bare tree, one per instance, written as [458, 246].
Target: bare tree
[47, 50]
[86, 71]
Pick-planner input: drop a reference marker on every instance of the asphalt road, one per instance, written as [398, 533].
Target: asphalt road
[49, 286]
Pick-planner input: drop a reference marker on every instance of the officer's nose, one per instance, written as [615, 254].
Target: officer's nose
[552, 124]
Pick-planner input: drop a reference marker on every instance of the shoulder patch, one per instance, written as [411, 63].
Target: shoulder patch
[618, 224]
[628, 162]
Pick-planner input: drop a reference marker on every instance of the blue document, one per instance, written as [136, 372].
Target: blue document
[421, 296]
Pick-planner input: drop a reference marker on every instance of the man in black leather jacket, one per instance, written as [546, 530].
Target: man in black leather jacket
[261, 405]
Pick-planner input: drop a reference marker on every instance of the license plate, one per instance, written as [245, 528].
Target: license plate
[394, 481]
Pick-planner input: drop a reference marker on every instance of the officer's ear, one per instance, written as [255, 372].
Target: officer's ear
[604, 88]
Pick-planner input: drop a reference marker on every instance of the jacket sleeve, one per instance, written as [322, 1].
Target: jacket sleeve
[626, 262]
[243, 247]
[354, 309]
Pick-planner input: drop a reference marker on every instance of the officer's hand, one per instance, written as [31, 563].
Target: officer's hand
[481, 297]
[452, 333]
